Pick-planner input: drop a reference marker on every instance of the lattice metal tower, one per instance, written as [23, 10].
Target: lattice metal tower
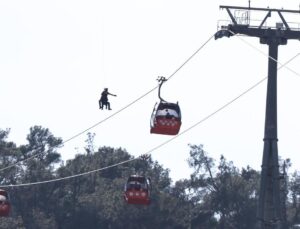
[270, 208]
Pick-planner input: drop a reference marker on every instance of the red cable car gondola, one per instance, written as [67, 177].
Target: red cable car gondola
[166, 117]
[4, 203]
[137, 190]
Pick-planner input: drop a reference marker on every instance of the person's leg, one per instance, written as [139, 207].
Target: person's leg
[104, 104]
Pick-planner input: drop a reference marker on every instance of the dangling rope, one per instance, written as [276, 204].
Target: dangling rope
[110, 116]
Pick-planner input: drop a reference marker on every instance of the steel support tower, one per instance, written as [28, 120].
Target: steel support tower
[270, 212]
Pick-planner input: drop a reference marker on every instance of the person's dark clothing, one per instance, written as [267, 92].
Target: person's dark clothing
[104, 99]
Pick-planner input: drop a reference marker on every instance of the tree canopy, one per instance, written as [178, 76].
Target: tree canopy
[217, 194]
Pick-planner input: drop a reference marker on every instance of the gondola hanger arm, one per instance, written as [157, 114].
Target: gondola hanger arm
[161, 80]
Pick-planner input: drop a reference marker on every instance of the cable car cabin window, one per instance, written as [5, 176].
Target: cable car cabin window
[166, 119]
[137, 178]
[174, 107]
[168, 113]
[137, 190]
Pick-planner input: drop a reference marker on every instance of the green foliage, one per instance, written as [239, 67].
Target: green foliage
[217, 195]
[11, 223]
[231, 195]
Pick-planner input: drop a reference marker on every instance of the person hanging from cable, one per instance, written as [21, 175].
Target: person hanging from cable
[104, 100]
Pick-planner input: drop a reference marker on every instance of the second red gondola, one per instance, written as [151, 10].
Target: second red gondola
[137, 190]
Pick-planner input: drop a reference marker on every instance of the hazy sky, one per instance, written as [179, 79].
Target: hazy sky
[57, 56]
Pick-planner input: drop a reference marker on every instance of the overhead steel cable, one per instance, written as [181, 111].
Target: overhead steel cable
[110, 116]
[263, 53]
[158, 146]
[188, 59]
[68, 177]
